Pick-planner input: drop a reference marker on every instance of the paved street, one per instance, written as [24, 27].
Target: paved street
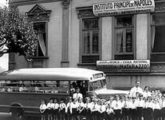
[5, 116]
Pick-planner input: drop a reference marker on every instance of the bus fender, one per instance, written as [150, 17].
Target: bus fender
[91, 94]
[16, 109]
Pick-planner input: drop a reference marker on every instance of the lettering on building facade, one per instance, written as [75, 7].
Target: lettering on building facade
[124, 6]
[124, 65]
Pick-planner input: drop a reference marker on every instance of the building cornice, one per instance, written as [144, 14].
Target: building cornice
[38, 13]
[29, 2]
[84, 12]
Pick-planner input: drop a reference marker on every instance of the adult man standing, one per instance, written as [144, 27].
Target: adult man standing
[136, 90]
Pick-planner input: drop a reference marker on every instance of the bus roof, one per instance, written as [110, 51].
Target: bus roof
[51, 74]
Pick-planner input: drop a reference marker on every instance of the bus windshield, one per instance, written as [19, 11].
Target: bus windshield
[97, 85]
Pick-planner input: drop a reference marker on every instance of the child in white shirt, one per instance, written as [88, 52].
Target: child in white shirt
[55, 109]
[109, 112]
[62, 109]
[43, 108]
[50, 106]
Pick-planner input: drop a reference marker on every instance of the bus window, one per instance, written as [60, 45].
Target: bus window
[35, 86]
[2, 83]
[64, 87]
[103, 83]
[56, 87]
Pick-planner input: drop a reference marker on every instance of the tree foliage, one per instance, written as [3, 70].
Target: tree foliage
[17, 33]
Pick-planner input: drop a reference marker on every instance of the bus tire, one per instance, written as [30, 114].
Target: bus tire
[16, 112]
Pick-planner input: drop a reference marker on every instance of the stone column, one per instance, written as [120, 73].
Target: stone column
[141, 36]
[65, 34]
[107, 44]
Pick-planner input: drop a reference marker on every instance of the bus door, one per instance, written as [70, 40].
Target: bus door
[82, 85]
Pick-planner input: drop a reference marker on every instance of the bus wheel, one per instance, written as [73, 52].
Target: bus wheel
[16, 112]
[16, 115]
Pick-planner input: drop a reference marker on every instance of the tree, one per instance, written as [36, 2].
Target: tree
[16, 33]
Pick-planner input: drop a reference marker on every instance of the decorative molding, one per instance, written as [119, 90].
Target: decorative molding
[38, 13]
[65, 34]
[66, 3]
[84, 12]
[29, 2]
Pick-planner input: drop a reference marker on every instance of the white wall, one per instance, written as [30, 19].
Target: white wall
[107, 40]
[73, 36]
[54, 32]
[4, 62]
[141, 36]
[154, 81]
[121, 81]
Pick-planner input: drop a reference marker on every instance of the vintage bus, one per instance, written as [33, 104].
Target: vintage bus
[22, 90]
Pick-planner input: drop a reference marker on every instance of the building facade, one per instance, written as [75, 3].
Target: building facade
[119, 34]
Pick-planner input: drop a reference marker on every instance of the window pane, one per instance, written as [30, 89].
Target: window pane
[95, 42]
[158, 57]
[90, 40]
[119, 40]
[129, 38]
[124, 38]
[124, 21]
[95, 85]
[90, 23]
[40, 29]
[86, 40]
[159, 42]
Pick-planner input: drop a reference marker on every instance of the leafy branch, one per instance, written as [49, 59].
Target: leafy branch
[17, 33]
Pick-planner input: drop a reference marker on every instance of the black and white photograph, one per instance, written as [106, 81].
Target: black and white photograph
[82, 59]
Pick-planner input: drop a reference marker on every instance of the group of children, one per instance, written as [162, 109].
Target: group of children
[151, 107]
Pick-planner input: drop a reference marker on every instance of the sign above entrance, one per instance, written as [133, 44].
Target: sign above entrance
[124, 65]
[123, 7]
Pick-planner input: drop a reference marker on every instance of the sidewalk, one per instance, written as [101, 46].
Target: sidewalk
[5, 116]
